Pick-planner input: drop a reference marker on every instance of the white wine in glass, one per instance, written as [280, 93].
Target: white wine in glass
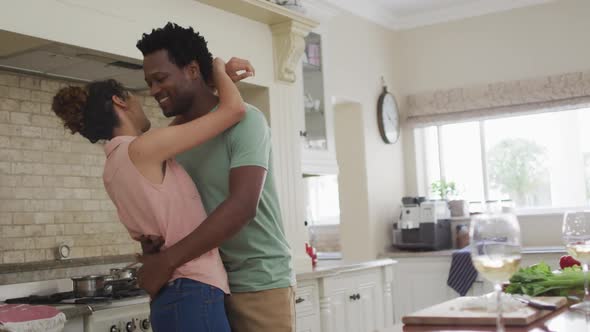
[576, 236]
[495, 251]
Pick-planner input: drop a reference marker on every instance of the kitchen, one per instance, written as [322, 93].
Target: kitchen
[55, 195]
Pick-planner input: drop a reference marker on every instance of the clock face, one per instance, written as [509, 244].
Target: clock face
[64, 251]
[389, 118]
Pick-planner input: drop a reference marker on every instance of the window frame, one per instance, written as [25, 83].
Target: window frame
[421, 174]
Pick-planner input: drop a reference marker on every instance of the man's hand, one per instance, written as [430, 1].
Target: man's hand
[238, 69]
[154, 273]
[151, 244]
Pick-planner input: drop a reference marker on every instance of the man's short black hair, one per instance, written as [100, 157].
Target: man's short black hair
[183, 45]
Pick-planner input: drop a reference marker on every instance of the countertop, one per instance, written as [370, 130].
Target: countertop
[323, 269]
[445, 253]
[563, 320]
[73, 311]
[327, 268]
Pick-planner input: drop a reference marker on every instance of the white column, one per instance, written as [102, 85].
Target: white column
[286, 100]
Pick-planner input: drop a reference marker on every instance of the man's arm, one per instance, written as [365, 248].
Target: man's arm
[245, 187]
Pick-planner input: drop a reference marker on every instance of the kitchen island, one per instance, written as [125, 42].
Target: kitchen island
[563, 320]
[420, 278]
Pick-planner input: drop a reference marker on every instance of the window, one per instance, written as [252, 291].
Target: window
[322, 200]
[535, 161]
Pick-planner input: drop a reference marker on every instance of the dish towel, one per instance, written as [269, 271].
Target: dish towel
[462, 274]
[30, 318]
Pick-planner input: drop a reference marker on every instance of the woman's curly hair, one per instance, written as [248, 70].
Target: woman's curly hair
[89, 110]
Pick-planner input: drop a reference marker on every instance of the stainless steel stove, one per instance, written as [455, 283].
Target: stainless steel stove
[125, 315]
[123, 311]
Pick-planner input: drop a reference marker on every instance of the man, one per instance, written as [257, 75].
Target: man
[233, 174]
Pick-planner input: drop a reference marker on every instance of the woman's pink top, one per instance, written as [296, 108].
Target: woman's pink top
[172, 209]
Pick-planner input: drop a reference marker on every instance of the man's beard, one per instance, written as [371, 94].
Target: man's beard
[182, 106]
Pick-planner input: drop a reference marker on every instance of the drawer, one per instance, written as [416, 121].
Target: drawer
[307, 324]
[305, 300]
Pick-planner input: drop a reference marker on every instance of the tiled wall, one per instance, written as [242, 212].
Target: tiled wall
[51, 188]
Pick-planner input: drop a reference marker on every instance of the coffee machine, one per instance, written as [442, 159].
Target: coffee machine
[423, 225]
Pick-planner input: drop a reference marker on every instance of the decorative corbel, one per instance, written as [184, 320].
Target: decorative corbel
[289, 45]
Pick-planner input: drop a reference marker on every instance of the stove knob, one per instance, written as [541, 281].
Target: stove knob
[145, 324]
[130, 327]
[114, 328]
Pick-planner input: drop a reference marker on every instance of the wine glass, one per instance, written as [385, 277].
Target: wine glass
[495, 251]
[576, 236]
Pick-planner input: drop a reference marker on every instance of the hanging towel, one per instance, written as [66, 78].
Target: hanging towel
[462, 274]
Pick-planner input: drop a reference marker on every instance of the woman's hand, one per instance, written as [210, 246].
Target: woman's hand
[238, 69]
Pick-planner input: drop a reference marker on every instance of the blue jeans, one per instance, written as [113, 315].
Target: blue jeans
[191, 306]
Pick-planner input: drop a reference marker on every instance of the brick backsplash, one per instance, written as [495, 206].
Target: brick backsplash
[51, 188]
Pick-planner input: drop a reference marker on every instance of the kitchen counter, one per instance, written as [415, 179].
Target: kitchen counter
[323, 269]
[334, 267]
[563, 320]
[446, 253]
[60, 269]
[73, 311]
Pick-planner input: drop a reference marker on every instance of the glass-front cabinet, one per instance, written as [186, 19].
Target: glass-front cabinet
[318, 147]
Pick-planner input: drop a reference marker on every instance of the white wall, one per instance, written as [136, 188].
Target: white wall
[528, 42]
[523, 43]
[115, 26]
[357, 53]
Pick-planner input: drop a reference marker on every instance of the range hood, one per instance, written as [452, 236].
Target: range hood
[34, 56]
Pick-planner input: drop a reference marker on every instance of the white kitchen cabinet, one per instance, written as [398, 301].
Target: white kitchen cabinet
[307, 307]
[358, 301]
[420, 282]
[317, 128]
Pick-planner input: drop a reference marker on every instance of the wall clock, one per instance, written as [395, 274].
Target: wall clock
[388, 117]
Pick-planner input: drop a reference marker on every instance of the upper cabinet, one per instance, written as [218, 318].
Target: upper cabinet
[318, 146]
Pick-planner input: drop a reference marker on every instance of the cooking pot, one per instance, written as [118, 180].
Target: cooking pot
[124, 273]
[92, 285]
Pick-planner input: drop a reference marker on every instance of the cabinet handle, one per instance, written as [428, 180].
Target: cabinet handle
[299, 300]
[303, 133]
[358, 296]
[352, 297]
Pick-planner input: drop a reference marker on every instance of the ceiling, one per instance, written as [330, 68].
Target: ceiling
[406, 14]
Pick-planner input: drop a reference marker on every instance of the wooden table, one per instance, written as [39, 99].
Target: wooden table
[563, 320]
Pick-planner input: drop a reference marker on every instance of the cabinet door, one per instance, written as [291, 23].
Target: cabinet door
[317, 133]
[306, 324]
[345, 312]
[307, 310]
[338, 309]
[370, 301]
[420, 283]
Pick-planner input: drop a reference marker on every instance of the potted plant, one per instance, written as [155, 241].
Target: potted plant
[446, 190]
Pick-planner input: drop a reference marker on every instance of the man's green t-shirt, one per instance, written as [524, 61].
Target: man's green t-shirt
[258, 257]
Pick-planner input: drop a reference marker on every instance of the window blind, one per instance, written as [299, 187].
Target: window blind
[501, 99]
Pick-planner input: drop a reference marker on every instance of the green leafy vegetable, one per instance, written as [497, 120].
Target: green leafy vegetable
[538, 279]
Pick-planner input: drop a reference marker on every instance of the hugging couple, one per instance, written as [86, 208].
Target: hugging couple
[199, 194]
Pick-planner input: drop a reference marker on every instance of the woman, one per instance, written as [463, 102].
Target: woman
[152, 193]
